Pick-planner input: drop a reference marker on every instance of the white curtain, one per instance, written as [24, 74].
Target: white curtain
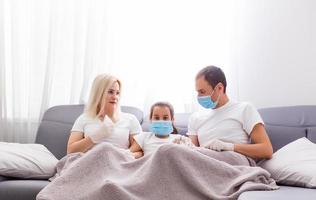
[50, 51]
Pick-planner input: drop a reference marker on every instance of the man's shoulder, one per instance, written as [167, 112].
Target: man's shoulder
[241, 105]
[200, 114]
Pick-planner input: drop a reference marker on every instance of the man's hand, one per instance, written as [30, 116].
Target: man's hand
[219, 145]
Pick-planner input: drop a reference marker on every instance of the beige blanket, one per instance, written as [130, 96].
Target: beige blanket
[172, 172]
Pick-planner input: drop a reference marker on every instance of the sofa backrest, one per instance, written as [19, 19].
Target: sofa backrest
[283, 124]
[286, 124]
[57, 122]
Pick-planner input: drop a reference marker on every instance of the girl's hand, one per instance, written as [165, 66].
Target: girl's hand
[138, 154]
[183, 140]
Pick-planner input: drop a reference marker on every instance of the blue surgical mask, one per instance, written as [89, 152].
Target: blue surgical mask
[161, 127]
[207, 102]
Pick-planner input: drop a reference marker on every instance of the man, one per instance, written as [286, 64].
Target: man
[227, 125]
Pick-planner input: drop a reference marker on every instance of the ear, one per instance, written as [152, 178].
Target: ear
[220, 86]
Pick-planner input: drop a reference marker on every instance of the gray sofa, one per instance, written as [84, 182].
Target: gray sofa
[283, 124]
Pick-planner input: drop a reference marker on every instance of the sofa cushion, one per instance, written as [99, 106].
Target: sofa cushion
[55, 127]
[286, 124]
[284, 193]
[26, 161]
[54, 135]
[21, 189]
[294, 164]
[282, 135]
[295, 116]
[311, 134]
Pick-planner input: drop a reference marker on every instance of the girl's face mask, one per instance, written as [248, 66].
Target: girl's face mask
[161, 127]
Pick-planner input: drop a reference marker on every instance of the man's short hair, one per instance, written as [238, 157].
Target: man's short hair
[213, 75]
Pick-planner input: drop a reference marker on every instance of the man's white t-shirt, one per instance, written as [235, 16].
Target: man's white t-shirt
[233, 122]
[122, 129]
[150, 143]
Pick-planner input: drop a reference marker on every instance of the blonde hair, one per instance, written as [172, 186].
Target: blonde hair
[98, 94]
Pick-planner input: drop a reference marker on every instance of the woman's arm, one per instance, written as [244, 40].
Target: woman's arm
[78, 143]
[135, 148]
[261, 146]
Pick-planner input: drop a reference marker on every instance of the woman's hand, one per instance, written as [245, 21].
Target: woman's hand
[102, 132]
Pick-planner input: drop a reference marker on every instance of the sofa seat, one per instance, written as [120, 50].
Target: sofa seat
[20, 189]
[2, 178]
[284, 193]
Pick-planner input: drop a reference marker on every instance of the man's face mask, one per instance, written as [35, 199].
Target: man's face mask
[207, 102]
[161, 127]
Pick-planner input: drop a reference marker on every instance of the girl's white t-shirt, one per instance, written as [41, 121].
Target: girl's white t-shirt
[150, 143]
[122, 129]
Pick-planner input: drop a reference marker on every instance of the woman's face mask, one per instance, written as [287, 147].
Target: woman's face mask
[161, 127]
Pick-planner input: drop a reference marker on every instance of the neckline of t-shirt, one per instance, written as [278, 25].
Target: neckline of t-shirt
[223, 107]
[110, 120]
[166, 138]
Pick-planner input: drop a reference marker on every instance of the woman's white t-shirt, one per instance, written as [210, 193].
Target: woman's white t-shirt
[126, 125]
[233, 122]
[150, 143]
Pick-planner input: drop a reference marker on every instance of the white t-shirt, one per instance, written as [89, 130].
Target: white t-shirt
[149, 142]
[232, 122]
[127, 125]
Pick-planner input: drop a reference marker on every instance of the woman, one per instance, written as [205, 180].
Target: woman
[102, 120]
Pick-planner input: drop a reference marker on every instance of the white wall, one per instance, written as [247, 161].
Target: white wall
[274, 48]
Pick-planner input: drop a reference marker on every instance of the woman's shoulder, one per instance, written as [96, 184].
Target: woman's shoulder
[128, 116]
[84, 117]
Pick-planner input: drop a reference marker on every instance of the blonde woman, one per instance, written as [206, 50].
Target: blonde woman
[102, 120]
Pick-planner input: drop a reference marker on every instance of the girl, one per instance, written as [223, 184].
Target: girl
[162, 130]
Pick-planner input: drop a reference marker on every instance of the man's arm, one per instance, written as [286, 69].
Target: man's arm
[261, 146]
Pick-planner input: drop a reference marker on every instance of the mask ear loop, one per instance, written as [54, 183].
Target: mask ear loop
[218, 95]
[213, 91]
